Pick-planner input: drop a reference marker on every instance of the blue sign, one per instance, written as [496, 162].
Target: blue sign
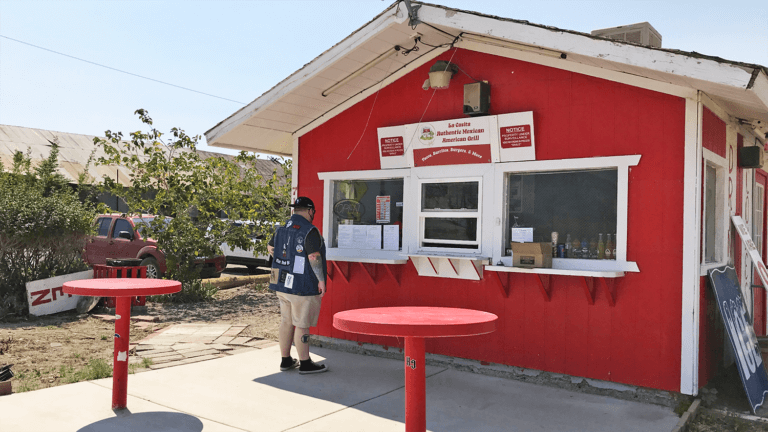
[741, 334]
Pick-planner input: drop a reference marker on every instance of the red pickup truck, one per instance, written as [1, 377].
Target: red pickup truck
[117, 237]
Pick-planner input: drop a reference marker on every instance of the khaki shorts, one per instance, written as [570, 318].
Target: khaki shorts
[301, 311]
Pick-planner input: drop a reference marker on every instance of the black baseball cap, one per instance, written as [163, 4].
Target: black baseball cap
[303, 202]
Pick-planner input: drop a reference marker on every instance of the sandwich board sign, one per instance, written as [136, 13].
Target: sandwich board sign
[742, 336]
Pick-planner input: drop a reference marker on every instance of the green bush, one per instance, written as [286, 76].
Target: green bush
[43, 229]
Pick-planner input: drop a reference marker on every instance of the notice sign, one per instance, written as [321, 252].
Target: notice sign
[740, 333]
[393, 150]
[383, 209]
[515, 136]
[517, 139]
[392, 146]
[456, 155]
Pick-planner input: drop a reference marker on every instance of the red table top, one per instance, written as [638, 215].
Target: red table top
[121, 287]
[415, 321]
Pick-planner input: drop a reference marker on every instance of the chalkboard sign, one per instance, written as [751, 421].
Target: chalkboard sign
[741, 334]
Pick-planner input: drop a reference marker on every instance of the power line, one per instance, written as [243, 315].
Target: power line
[122, 71]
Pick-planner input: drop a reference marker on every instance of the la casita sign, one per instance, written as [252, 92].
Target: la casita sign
[502, 138]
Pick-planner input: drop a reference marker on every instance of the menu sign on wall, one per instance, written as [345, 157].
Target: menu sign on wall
[503, 138]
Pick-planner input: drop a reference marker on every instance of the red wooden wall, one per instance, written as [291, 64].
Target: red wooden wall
[636, 342]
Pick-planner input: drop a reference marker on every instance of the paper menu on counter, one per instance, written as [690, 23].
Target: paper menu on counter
[391, 237]
[345, 233]
[374, 237]
[359, 236]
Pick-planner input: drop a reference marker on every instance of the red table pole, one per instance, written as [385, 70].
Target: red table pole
[120, 370]
[415, 386]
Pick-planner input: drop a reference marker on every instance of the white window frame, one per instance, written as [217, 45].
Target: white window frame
[365, 255]
[758, 233]
[722, 221]
[622, 165]
[423, 215]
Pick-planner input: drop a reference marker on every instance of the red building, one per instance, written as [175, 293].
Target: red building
[629, 152]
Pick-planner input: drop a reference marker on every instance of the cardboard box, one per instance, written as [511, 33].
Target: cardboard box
[532, 255]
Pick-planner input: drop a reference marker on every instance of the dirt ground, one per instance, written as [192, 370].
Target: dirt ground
[48, 351]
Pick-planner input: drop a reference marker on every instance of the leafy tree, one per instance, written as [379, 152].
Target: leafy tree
[169, 178]
[43, 227]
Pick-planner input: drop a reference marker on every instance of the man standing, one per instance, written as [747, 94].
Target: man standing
[298, 278]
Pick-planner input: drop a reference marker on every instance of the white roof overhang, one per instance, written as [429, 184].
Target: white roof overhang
[354, 68]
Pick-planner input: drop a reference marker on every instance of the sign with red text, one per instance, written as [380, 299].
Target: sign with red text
[383, 209]
[516, 137]
[392, 147]
[46, 297]
[487, 139]
[456, 155]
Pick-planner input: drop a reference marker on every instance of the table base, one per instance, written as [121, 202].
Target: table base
[415, 385]
[120, 359]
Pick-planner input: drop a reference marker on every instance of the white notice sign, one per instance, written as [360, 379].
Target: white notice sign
[373, 241]
[391, 237]
[345, 236]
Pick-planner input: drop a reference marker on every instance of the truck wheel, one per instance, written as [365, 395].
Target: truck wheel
[153, 271]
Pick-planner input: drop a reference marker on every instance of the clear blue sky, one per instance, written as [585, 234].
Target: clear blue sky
[237, 50]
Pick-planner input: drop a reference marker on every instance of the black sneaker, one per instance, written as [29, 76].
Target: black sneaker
[288, 365]
[310, 367]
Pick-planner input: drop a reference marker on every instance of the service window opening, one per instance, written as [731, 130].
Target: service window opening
[367, 214]
[580, 206]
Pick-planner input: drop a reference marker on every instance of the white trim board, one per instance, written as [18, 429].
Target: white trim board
[689, 326]
[572, 66]
[554, 39]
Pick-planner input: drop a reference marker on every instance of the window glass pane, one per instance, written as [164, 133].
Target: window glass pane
[148, 221]
[579, 205]
[122, 225]
[104, 226]
[461, 196]
[463, 229]
[367, 202]
[710, 214]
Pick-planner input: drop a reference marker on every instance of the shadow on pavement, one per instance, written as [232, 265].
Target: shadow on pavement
[149, 421]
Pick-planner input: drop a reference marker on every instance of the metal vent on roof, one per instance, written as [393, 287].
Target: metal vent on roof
[640, 33]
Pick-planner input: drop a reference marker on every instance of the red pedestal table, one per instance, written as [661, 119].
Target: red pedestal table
[415, 324]
[123, 290]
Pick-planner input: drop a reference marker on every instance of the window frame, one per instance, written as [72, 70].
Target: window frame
[455, 214]
[365, 255]
[722, 220]
[622, 164]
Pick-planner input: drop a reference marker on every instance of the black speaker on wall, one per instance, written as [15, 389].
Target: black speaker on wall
[751, 157]
[477, 98]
